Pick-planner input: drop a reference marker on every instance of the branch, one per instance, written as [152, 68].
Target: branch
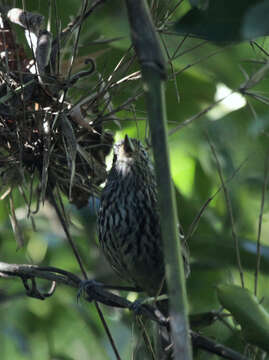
[95, 291]
[33, 271]
[92, 290]
[207, 344]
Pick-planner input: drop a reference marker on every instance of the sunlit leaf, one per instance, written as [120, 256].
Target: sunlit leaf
[249, 313]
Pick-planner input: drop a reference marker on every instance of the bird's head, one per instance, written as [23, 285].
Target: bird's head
[129, 154]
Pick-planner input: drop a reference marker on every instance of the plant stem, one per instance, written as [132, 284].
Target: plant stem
[149, 52]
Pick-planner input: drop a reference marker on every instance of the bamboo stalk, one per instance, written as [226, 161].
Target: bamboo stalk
[150, 56]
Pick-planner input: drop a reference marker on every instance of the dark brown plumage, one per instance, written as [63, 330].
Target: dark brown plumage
[129, 222]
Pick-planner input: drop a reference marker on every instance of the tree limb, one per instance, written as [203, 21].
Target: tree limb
[95, 291]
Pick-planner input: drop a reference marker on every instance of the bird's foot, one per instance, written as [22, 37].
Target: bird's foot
[136, 306]
[86, 286]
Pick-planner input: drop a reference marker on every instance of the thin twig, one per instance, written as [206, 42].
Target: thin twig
[66, 231]
[179, 46]
[170, 12]
[146, 338]
[76, 253]
[196, 220]
[229, 208]
[206, 344]
[260, 47]
[173, 76]
[78, 21]
[112, 342]
[201, 60]
[188, 50]
[264, 189]
[198, 115]
[81, 16]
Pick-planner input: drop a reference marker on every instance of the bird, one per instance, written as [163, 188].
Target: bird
[129, 227]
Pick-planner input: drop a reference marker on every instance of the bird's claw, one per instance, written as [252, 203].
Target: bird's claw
[136, 306]
[85, 287]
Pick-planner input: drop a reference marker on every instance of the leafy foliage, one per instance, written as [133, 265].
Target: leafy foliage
[223, 21]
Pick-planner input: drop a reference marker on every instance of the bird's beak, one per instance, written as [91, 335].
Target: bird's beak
[128, 145]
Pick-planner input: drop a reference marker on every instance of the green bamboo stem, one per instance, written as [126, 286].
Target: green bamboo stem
[148, 49]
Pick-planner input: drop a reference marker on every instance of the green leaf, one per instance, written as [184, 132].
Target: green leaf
[226, 21]
[202, 4]
[249, 313]
[256, 21]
